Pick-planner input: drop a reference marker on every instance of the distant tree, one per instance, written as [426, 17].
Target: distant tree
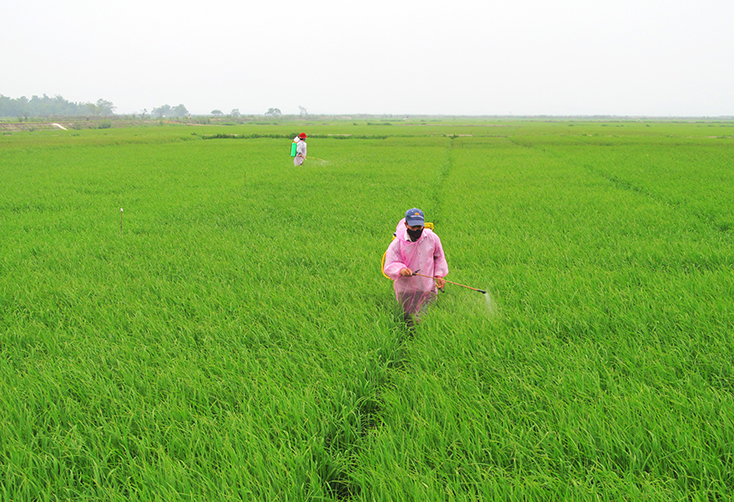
[105, 108]
[217, 113]
[304, 112]
[235, 113]
[162, 112]
[142, 115]
[180, 111]
[273, 112]
[6, 106]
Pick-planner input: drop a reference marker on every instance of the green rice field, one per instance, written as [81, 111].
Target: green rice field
[186, 316]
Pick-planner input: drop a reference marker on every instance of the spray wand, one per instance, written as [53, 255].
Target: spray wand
[451, 282]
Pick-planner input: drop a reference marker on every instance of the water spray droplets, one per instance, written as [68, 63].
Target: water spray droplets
[491, 304]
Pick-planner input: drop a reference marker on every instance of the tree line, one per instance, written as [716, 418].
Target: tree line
[167, 111]
[57, 106]
[48, 107]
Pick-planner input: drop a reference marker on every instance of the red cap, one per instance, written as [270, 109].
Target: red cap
[302, 135]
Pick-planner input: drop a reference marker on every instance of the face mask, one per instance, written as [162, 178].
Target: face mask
[414, 234]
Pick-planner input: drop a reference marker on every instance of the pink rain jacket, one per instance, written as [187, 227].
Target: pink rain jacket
[424, 256]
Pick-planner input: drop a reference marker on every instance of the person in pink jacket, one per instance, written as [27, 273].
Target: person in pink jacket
[415, 249]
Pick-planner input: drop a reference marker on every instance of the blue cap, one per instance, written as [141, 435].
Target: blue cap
[414, 217]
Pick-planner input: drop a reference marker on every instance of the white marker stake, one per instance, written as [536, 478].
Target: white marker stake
[120, 219]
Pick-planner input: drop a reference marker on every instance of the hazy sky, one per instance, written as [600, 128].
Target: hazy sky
[463, 57]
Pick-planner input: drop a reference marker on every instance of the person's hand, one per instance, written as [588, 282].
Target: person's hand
[406, 272]
[440, 282]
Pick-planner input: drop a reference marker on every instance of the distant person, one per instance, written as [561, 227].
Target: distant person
[415, 249]
[300, 142]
